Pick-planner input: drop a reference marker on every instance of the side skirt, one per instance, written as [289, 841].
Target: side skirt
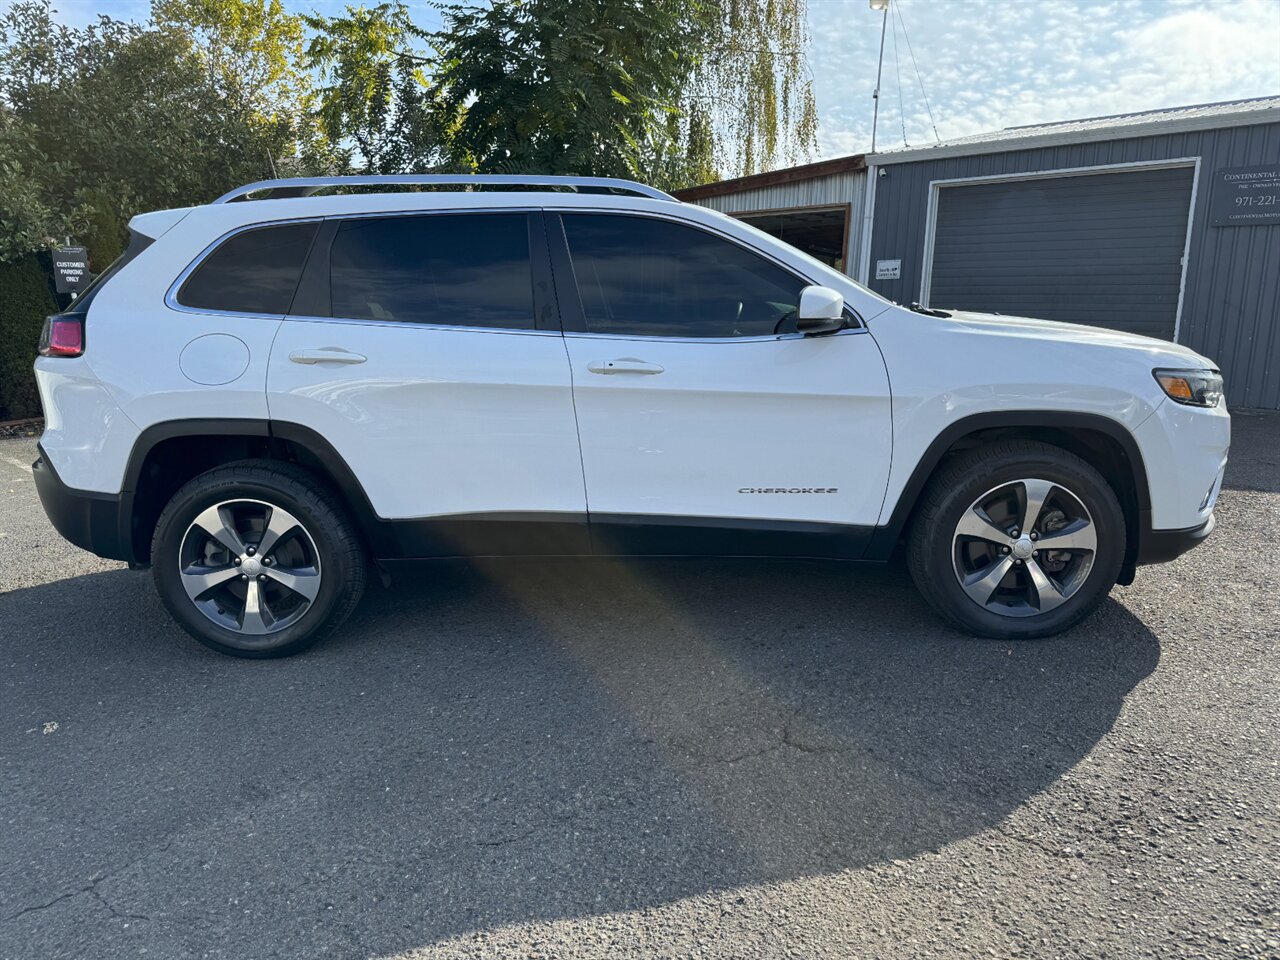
[567, 535]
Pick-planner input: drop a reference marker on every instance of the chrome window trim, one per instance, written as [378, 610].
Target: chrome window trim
[767, 338]
[413, 325]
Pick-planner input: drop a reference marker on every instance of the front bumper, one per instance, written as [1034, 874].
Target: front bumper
[1161, 546]
[98, 522]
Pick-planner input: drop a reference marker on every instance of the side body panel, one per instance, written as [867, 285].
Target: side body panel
[945, 370]
[777, 429]
[86, 435]
[438, 421]
[1185, 449]
[785, 436]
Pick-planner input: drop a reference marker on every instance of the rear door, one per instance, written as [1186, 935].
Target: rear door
[708, 425]
[425, 348]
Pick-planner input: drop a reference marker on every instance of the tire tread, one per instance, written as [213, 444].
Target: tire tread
[301, 484]
[958, 470]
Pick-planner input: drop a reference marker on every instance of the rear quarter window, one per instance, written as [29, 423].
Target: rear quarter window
[254, 271]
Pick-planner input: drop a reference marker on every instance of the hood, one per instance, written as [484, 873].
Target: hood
[1159, 351]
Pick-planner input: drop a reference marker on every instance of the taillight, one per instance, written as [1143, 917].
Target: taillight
[62, 337]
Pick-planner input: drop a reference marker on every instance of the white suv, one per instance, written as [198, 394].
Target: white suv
[266, 393]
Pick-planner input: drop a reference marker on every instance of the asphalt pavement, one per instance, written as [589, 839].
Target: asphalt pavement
[654, 759]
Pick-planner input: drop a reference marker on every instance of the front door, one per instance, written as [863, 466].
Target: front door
[426, 350]
[708, 426]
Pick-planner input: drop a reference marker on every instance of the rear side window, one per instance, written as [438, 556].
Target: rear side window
[251, 272]
[466, 270]
[641, 276]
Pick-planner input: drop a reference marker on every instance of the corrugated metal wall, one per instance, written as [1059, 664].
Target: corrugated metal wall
[1231, 303]
[837, 189]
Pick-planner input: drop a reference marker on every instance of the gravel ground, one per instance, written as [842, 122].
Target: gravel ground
[660, 759]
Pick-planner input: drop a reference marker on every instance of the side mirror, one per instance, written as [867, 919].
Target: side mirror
[821, 311]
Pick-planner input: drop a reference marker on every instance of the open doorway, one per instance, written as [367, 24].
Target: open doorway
[821, 232]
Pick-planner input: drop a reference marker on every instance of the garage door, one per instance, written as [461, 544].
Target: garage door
[1104, 249]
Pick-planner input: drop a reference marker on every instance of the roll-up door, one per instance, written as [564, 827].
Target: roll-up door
[1103, 249]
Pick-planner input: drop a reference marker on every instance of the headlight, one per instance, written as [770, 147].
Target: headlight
[1196, 388]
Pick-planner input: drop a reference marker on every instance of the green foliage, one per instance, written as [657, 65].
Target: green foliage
[374, 104]
[113, 118]
[25, 300]
[253, 54]
[554, 87]
[102, 122]
[752, 87]
[29, 218]
[668, 91]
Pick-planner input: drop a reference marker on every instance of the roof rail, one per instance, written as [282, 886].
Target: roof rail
[306, 186]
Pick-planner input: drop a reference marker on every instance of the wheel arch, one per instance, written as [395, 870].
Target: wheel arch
[1105, 443]
[168, 454]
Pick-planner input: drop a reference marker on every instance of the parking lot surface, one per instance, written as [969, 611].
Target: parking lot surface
[697, 758]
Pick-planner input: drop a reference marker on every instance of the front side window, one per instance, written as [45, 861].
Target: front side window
[641, 276]
[255, 271]
[468, 270]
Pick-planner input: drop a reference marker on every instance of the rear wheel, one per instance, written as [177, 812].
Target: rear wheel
[1017, 540]
[257, 559]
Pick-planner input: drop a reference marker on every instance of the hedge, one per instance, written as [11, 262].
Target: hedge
[25, 300]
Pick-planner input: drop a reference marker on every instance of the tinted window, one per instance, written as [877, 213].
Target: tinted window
[468, 270]
[655, 278]
[252, 272]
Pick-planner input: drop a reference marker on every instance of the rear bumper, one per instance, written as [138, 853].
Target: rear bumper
[97, 522]
[1161, 546]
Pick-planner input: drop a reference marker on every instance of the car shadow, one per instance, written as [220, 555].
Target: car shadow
[503, 743]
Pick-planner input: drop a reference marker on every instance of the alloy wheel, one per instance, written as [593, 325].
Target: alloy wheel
[1024, 548]
[249, 566]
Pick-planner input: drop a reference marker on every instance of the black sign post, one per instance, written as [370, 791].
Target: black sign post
[1245, 196]
[70, 269]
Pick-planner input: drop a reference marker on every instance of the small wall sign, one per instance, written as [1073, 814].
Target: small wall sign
[1244, 196]
[70, 269]
[888, 269]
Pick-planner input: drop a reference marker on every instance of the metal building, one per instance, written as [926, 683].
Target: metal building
[818, 207]
[1165, 223]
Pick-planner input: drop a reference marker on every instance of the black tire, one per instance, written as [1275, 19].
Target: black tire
[936, 557]
[330, 536]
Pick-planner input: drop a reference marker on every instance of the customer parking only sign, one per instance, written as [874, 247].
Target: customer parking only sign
[1245, 196]
[70, 269]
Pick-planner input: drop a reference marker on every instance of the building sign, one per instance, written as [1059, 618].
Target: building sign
[1244, 196]
[888, 269]
[70, 269]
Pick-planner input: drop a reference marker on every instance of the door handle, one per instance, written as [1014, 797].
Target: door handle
[326, 355]
[623, 365]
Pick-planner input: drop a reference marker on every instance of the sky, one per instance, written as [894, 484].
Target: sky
[989, 64]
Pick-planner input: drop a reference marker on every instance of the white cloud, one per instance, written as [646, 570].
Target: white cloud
[989, 64]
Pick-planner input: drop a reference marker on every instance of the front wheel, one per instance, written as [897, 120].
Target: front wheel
[1016, 540]
[257, 559]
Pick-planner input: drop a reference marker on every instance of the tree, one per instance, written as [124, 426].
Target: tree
[109, 120]
[373, 107]
[750, 102]
[559, 87]
[253, 53]
[669, 91]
